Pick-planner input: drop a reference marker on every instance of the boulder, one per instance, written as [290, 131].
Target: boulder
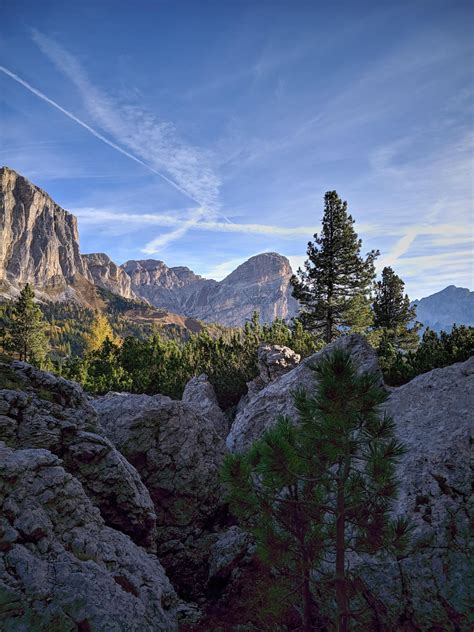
[177, 453]
[275, 360]
[427, 588]
[61, 567]
[430, 587]
[261, 411]
[199, 394]
[53, 413]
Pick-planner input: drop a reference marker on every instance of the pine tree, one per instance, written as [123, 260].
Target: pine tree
[393, 314]
[334, 273]
[314, 491]
[27, 328]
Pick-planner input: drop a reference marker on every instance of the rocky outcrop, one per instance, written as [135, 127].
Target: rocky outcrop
[177, 453]
[61, 567]
[200, 395]
[262, 410]
[39, 240]
[260, 284]
[104, 273]
[273, 362]
[433, 415]
[46, 411]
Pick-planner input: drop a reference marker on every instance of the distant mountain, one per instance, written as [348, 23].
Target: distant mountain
[262, 283]
[440, 311]
[39, 244]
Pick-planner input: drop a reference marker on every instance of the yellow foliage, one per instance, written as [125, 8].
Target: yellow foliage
[99, 331]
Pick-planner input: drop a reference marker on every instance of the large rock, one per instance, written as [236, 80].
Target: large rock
[433, 415]
[46, 411]
[274, 361]
[262, 410]
[61, 567]
[427, 588]
[178, 453]
[200, 395]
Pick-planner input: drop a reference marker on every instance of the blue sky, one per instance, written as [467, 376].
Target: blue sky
[202, 133]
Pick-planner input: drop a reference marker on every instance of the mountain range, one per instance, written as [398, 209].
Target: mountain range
[39, 244]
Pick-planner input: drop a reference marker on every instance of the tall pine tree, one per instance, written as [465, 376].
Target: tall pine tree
[27, 328]
[393, 313]
[335, 274]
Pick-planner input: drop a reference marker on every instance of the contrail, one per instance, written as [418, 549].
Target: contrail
[95, 133]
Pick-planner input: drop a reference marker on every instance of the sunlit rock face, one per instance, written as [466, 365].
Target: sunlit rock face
[39, 240]
[260, 284]
[104, 273]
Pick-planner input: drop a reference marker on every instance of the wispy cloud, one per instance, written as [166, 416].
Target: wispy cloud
[448, 234]
[90, 129]
[95, 216]
[139, 136]
[154, 141]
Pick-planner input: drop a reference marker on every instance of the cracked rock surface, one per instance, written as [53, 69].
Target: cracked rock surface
[61, 567]
[53, 413]
[177, 453]
[434, 419]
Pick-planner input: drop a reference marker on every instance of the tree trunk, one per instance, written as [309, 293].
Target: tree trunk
[307, 619]
[341, 588]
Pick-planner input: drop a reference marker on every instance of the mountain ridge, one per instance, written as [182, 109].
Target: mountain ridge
[40, 245]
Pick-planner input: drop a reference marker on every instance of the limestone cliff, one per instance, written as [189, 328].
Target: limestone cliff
[39, 241]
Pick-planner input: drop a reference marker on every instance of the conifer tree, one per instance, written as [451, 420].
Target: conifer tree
[334, 273]
[314, 491]
[393, 314]
[99, 331]
[27, 328]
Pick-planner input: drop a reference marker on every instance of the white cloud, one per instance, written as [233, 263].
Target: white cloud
[153, 140]
[94, 216]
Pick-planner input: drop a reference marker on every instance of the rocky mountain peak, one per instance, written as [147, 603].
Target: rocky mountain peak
[103, 272]
[150, 272]
[446, 307]
[262, 268]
